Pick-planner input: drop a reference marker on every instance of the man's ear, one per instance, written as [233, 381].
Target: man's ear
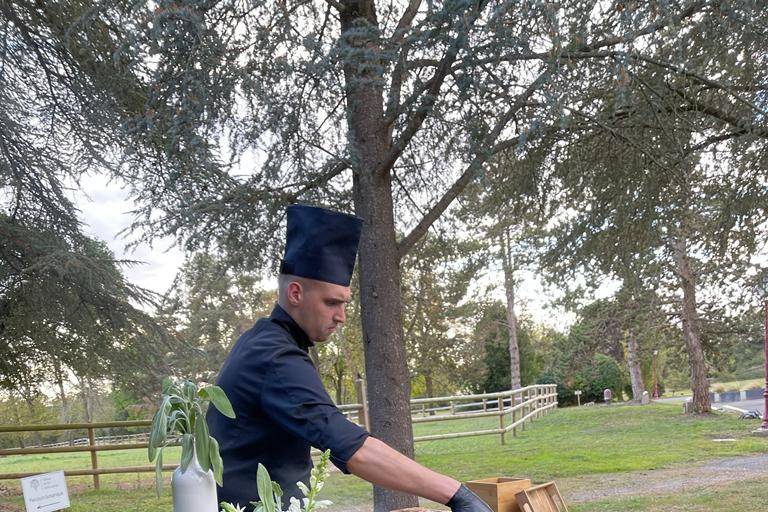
[294, 293]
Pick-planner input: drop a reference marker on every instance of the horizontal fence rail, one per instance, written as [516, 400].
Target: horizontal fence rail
[520, 406]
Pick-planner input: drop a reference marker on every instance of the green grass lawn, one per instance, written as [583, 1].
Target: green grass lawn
[567, 443]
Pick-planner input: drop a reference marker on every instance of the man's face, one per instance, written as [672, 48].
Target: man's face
[320, 308]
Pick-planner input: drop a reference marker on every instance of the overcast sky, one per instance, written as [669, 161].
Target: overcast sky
[105, 210]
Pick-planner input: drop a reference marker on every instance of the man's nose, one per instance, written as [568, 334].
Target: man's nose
[340, 316]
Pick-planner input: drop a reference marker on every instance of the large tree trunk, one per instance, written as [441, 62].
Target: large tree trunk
[691, 327]
[380, 300]
[633, 361]
[509, 288]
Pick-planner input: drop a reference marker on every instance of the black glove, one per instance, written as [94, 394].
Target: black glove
[466, 501]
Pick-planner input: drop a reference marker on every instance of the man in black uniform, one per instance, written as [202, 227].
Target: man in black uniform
[281, 407]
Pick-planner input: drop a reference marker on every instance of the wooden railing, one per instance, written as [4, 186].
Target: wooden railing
[523, 405]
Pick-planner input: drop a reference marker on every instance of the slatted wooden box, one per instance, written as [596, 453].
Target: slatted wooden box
[541, 498]
[499, 493]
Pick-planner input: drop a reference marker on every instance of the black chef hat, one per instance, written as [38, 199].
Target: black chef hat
[321, 244]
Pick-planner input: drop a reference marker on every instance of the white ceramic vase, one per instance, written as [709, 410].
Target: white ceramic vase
[194, 490]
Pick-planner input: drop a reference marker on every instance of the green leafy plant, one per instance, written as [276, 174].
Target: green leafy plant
[182, 413]
[271, 495]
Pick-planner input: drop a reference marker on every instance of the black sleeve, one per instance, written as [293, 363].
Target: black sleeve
[294, 397]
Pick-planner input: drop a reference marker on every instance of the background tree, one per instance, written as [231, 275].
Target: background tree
[491, 373]
[436, 277]
[210, 306]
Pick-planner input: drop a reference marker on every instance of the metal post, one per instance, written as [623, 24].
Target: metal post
[765, 392]
[94, 459]
[501, 418]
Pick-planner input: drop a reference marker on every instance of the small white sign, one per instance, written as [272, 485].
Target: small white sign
[46, 492]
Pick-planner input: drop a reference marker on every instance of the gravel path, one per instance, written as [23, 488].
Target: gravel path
[664, 481]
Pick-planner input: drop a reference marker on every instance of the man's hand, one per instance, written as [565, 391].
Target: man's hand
[466, 501]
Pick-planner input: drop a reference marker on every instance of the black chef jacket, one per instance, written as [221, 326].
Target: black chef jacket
[281, 410]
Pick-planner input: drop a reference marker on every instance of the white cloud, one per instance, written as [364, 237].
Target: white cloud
[105, 211]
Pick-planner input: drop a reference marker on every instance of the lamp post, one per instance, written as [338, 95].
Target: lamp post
[655, 378]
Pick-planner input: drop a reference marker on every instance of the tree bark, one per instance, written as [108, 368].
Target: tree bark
[691, 326]
[380, 300]
[509, 288]
[633, 361]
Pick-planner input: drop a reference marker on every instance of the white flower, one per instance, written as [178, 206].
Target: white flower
[302, 487]
[295, 505]
[323, 504]
[228, 507]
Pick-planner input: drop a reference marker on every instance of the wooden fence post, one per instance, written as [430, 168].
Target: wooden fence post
[453, 408]
[94, 457]
[524, 410]
[538, 402]
[362, 399]
[501, 418]
[485, 405]
[513, 403]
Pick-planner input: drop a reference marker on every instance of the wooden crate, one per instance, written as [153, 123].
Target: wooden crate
[541, 498]
[499, 493]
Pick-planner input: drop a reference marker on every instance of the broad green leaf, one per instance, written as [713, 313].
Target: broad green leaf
[167, 385]
[157, 435]
[152, 448]
[219, 400]
[264, 486]
[187, 450]
[201, 443]
[216, 463]
[159, 472]
[277, 489]
[189, 391]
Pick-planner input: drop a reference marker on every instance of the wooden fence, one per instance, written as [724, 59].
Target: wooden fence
[522, 405]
